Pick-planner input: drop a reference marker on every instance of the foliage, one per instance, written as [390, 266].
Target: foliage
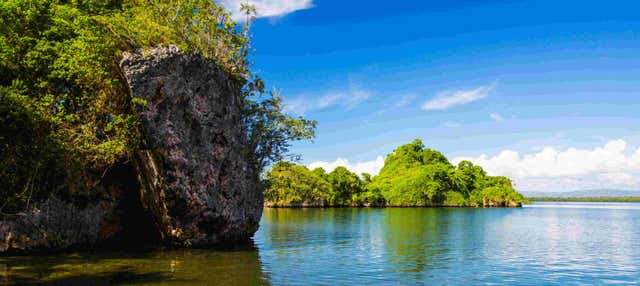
[269, 130]
[28, 153]
[66, 65]
[296, 185]
[60, 80]
[198, 26]
[346, 186]
[413, 176]
[291, 184]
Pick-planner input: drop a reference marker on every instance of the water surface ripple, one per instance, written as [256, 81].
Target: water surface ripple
[540, 244]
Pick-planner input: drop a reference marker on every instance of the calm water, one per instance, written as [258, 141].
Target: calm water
[543, 243]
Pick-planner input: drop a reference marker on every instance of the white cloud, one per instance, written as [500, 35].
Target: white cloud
[303, 104]
[266, 8]
[448, 99]
[604, 166]
[496, 117]
[371, 167]
[326, 101]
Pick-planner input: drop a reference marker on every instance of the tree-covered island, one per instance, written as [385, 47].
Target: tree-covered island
[412, 176]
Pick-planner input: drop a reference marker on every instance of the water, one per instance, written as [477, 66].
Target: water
[544, 243]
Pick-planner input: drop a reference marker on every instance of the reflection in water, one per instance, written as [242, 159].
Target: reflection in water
[413, 252]
[453, 246]
[192, 267]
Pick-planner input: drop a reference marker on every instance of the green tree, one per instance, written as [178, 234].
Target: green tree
[250, 11]
[404, 157]
[412, 176]
[29, 154]
[434, 157]
[417, 176]
[366, 178]
[498, 191]
[467, 177]
[60, 79]
[320, 172]
[295, 185]
[270, 131]
[346, 186]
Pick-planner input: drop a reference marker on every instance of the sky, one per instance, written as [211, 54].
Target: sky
[544, 92]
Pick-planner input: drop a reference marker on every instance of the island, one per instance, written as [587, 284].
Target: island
[412, 176]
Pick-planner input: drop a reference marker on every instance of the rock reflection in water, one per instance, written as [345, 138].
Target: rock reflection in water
[176, 267]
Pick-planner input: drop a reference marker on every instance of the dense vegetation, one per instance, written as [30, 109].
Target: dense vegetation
[66, 116]
[412, 176]
[586, 199]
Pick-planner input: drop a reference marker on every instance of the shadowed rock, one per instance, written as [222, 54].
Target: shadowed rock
[194, 175]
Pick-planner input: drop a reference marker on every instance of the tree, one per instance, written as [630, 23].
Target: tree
[467, 177]
[366, 178]
[403, 157]
[321, 173]
[414, 175]
[433, 157]
[250, 11]
[293, 185]
[59, 62]
[345, 185]
[269, 130]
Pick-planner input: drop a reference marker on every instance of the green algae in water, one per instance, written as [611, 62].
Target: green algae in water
[176, 267]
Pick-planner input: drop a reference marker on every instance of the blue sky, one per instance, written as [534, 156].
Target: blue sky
[470, 78]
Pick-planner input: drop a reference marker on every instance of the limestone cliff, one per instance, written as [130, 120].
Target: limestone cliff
[194, 175]
[189, 184]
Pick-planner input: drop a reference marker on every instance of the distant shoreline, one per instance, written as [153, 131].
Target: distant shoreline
[315, 206]
[586, 199]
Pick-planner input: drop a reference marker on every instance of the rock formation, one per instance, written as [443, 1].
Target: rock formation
[190, 183]
[194, 174]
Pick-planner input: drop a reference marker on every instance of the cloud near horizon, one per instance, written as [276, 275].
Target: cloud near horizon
[447, 99]
[266, 8]
[371, 167]
[551, 169]
[571, 168]
[303, 104]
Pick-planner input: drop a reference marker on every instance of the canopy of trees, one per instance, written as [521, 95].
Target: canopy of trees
[412, 176]
[65, 112]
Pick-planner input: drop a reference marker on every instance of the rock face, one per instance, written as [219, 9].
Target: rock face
[190, 184]
[54, 225]
[194, 175]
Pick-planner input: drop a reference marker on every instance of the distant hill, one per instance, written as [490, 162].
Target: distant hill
[584, 193]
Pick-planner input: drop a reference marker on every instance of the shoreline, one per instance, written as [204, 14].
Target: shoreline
[587, 199]
[514, 205]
